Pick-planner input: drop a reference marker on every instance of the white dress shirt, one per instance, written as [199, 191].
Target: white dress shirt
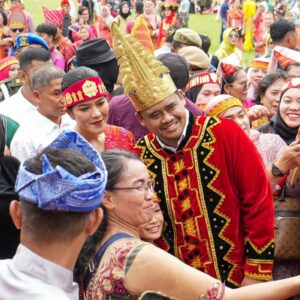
[31, 277]
[17, 107]
[37, 134]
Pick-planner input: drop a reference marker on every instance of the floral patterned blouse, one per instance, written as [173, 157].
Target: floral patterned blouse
[108, 280]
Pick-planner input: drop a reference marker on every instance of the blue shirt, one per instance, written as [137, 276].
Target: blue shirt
[223, 10]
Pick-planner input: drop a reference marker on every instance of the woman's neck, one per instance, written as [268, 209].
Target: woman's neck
[97, 140]
[115, 225]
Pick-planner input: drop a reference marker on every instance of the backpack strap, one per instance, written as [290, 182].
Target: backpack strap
[97, 258]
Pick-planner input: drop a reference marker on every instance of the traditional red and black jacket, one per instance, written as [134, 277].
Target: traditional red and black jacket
[216, 199]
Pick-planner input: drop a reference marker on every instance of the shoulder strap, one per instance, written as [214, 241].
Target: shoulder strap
[97, 258]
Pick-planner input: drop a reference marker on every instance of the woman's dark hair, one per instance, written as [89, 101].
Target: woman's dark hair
[116, 164]
[4, 16]
[193, 93]
[76, 75]
[47, 28]
[267, 81]
[139, 7]
[229, 80]
[81, 9]
[31, 54]
[206, 42]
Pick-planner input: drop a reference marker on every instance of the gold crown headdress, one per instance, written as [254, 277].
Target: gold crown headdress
[146, 80]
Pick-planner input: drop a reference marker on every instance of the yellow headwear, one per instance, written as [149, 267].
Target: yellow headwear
[146, 81]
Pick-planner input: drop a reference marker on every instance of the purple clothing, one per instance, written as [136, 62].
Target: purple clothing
[29, 22]
[122, 114]
[58, 59]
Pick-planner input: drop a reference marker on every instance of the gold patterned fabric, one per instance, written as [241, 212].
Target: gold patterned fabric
[146, 80]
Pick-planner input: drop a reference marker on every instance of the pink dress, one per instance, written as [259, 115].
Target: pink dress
[58, 59]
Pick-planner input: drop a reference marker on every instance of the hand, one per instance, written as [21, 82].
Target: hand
[7, 41]
[80, 21]
[297, 139]
[289, 158]
[249, 281]
[6, 151]
[257, 112]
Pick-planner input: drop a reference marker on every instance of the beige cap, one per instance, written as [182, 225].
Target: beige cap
[187, 37]
[195, 57]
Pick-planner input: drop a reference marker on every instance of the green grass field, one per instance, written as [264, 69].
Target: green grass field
[205, 24]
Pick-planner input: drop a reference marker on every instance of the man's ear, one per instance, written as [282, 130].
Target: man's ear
[16, 213]
[140, 118]
[181, 96]
[108, 200]
[36, 95]
[94, 221]
[22, 76]
[291, 38]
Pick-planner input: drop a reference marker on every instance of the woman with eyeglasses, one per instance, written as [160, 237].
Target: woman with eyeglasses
[234, 82]
[86, 102]
[115, 264]
[229, 45]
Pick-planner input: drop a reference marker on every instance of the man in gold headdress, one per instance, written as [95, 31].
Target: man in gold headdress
[211, 182]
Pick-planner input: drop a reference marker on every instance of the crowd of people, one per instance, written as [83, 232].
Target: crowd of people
[135, 164]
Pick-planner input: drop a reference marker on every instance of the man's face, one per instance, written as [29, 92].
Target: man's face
[166, 119]
[47, 38]
[50, 100]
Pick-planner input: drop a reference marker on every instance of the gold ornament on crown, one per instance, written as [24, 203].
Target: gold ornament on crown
[145, 80]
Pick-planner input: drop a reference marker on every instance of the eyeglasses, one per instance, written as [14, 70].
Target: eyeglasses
[241, 84]
[17, 30]
[141, 188]
[233, 36]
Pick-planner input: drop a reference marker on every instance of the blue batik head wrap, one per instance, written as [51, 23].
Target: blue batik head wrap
[57, 189]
